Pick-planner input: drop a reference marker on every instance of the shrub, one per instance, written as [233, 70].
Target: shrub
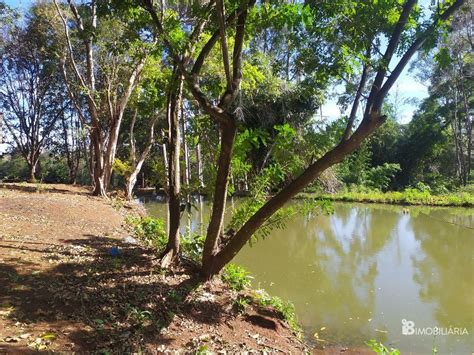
[192, 245]
[379, 177]
[236, 277]
[151, 230]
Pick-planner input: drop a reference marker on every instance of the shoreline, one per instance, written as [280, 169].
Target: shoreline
[464, 200]
[64, 290]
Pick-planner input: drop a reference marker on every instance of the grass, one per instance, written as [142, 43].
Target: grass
[407, 197]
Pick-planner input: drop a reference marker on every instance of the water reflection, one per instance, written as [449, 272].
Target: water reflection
[362, 270]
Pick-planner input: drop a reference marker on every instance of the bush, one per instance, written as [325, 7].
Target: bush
[379, 177]
[52, 169]
[192, 245]
[236, 277]
[150, 230]
[13, 168]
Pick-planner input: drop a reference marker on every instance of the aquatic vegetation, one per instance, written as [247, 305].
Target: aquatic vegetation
[409, 196]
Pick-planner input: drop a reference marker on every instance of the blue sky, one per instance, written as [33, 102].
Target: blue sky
[406, 85]
[18, 3]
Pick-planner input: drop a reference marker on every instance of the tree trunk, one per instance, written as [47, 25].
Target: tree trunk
[132, 179]
[228, 132]
[130, 184]
[218, 260]
[90, 163]
[187, 170]
[174, 177]
[199, 167]
[360, 90]
[72, 175]
[32, 171]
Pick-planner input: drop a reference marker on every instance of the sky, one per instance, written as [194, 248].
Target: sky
[406, 85]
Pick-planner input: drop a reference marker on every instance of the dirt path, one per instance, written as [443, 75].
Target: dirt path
[62, 288]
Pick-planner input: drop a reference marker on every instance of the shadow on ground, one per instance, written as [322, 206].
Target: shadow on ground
[93, 300]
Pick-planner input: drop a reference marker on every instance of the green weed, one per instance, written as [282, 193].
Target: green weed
[381, 349]
[241, 303]
[236, 277]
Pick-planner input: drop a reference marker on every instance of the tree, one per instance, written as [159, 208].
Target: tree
[31, 93]
[452, 83]
[220, 247]
[72, 143]
[103, 58]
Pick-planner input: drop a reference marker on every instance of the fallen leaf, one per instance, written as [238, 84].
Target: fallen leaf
[48, 336]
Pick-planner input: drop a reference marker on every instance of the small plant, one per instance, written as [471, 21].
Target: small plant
[241, 303]
[174, 297]
[117, 203]
[285, 309]
[139, 316]
[192, 245]
[236, 277]
[381, 349]
[151, 230]
[202, 350]
[99, 324]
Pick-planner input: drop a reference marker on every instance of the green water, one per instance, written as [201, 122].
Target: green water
[359, 272]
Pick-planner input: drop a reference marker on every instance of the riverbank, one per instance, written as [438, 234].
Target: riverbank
[74, 281]
[407, 197]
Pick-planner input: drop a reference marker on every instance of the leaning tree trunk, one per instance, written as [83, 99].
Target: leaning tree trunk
[131, 180]
[214, 229]
[223, 256]
[174, 184]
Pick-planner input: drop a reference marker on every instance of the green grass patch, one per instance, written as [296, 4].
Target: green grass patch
[409, 196]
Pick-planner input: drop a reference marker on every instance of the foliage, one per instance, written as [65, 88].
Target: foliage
[409, 196]
[150, 230]
[236, 277]
[13, 167]
[381, 349]
[192, 245]
[122, 168]
[379, 177]
[241, 303]
[238, 280]
[285, 309]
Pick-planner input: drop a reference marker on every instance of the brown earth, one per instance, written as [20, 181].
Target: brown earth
[61, 288]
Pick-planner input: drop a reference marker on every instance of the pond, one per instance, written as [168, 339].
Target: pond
[357, 274]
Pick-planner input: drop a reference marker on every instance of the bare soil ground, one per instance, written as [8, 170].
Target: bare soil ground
[63, 289]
